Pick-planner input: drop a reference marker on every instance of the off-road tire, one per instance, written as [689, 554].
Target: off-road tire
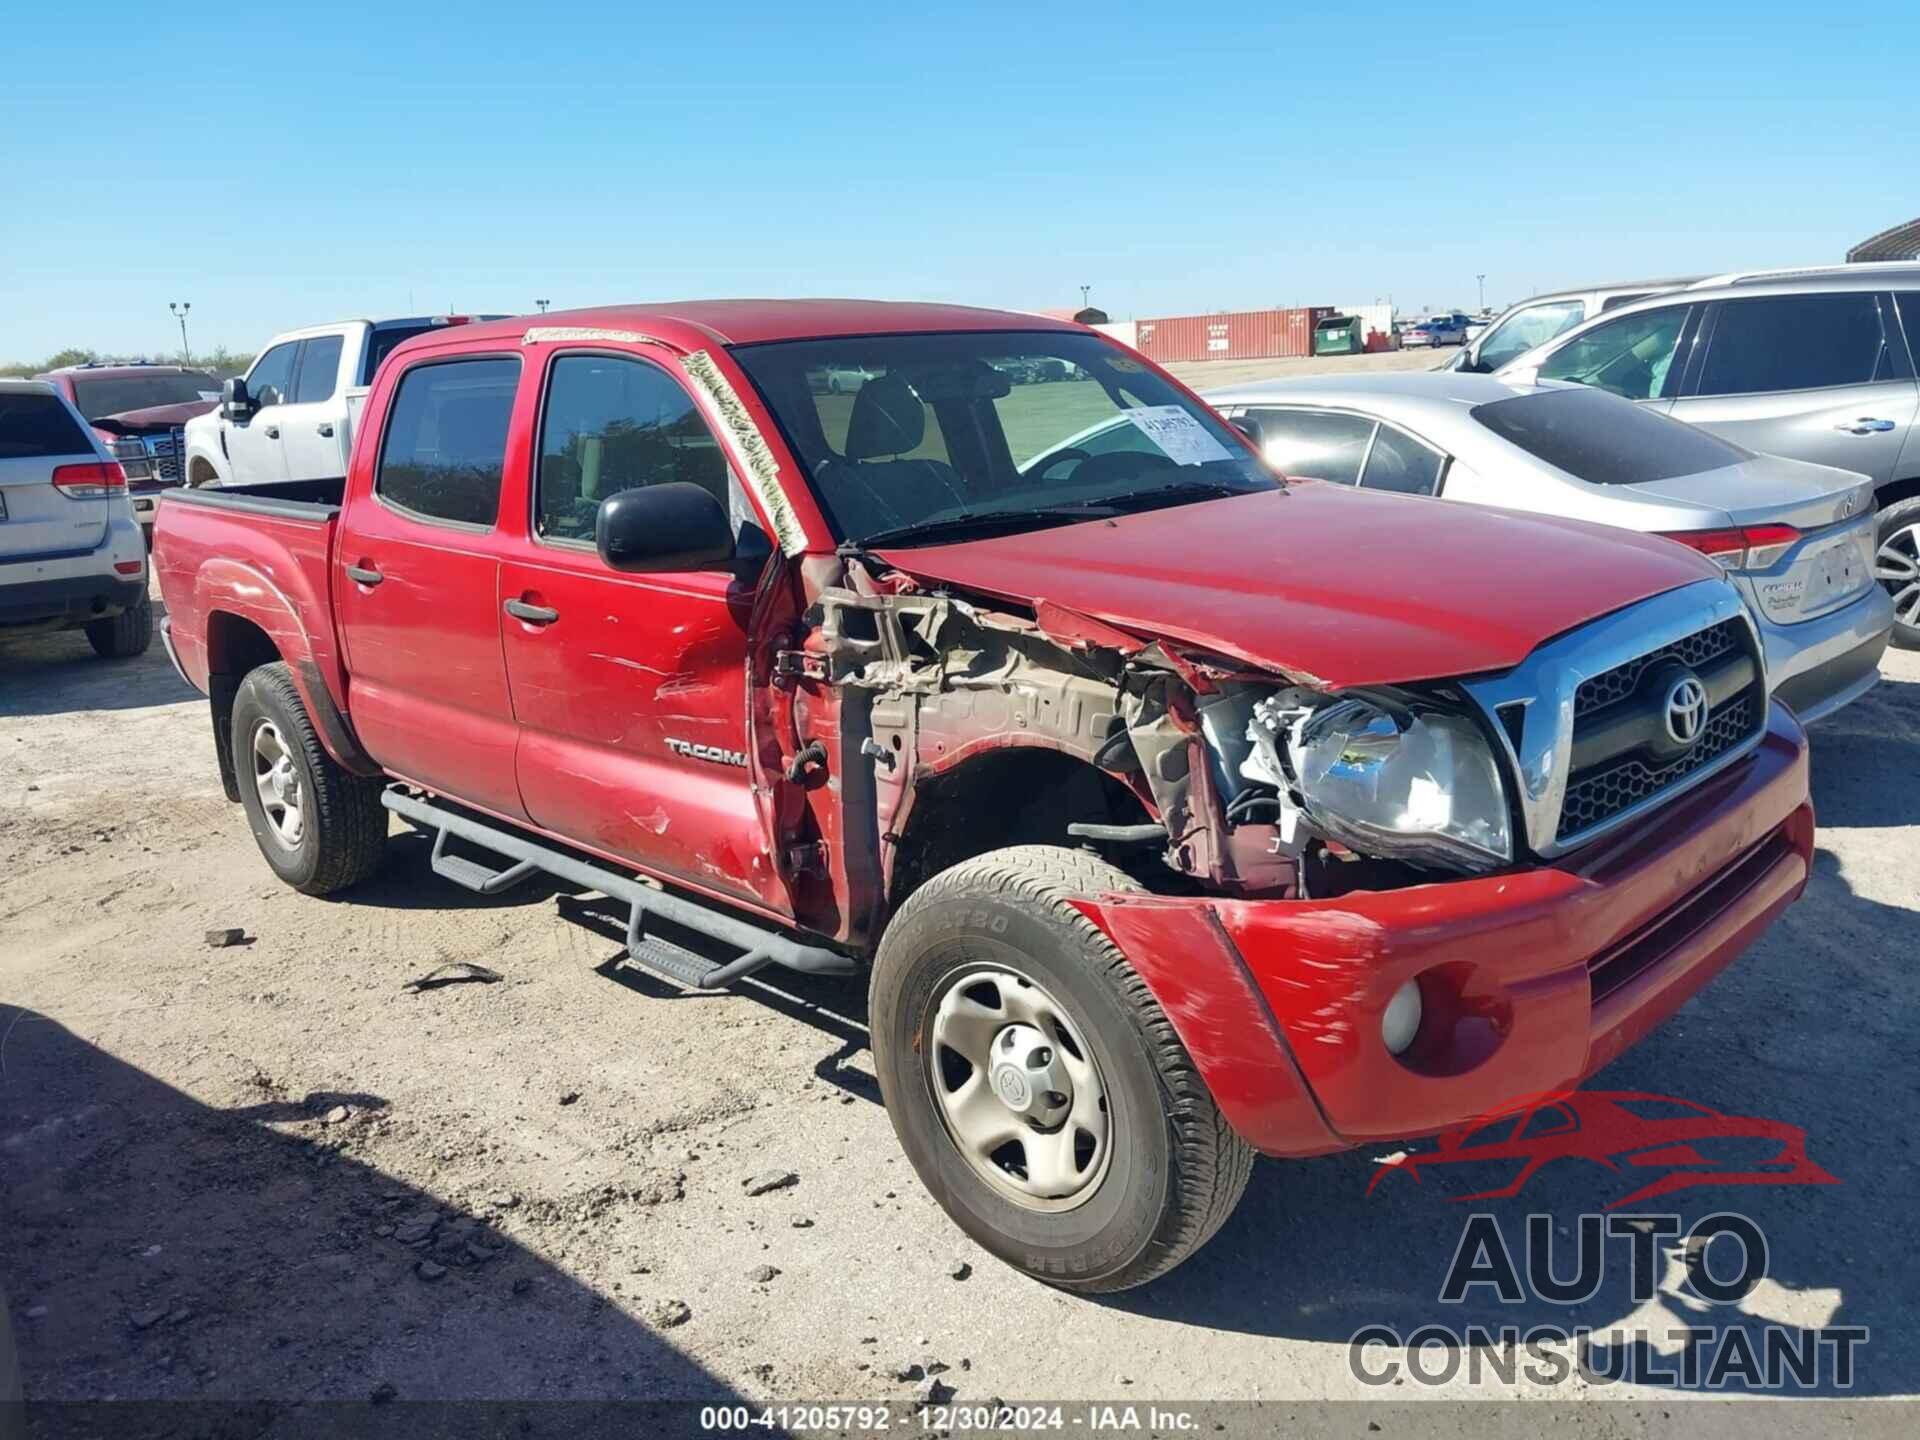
[1176, 1169]
[123, 636]
[1902, 515]
[345, 837]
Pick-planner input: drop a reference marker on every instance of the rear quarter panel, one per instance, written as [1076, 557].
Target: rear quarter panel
[268, 570]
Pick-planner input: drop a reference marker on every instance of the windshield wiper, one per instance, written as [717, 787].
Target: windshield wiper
[1184, 490]
[986, 520]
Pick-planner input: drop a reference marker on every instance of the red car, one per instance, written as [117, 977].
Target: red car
[1624, 1131]
[1176, 811]
[138, 412]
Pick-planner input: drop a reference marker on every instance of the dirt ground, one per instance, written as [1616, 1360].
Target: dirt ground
[268, 1171]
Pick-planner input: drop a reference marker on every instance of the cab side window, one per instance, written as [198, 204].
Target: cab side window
[446, 440]
[271, 379]
[613, 424]
[1630, 357]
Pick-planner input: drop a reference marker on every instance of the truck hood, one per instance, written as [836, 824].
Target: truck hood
[1326, 584]
[152, 418]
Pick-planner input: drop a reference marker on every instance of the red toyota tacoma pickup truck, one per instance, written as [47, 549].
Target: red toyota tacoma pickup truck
[1177, 811]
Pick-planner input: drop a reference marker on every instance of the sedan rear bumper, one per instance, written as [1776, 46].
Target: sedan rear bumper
[1530, 981]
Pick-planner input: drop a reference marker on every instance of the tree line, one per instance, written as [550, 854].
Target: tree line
[219, 362]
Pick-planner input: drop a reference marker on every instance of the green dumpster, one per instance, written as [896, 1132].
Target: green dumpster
[1340, 335]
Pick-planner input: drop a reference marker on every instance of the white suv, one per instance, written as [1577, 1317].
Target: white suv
[71, 552]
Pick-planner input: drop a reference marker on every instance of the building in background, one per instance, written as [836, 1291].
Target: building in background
[1902, 242]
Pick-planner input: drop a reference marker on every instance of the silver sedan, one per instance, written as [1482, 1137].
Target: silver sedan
[1797, 539]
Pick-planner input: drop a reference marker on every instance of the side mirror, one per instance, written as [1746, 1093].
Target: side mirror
[1250, 427]
[235, 403]
[677, 526]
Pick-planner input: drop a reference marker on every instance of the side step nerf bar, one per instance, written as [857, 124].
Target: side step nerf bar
[758, 945]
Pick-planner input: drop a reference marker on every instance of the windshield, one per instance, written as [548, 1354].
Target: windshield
[95, 398]
[904, 434]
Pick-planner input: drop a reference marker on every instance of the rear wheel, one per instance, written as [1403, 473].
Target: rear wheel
[1037, 1087]
[122, 636]
[1896, 565]
[319, 827]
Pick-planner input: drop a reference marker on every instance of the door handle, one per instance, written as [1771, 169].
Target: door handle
[273, 432]
[325, 427]
[362, 575]
[532, 614]
[1865, 425]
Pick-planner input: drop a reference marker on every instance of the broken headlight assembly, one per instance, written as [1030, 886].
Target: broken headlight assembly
[1409, 782]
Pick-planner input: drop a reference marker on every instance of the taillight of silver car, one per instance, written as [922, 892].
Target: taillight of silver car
[1742, 547]
[94, 480]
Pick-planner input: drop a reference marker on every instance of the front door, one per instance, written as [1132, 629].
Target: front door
[417, 583]
[253, 444]
[631, 690]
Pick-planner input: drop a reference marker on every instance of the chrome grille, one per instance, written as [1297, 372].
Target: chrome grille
[1695, 650]
[1603, 794]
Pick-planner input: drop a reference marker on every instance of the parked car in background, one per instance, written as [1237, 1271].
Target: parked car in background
[291, 416]
[1539, 318]
[1817, 364]
[1797, 539]
[71, 553]
[139, 412]
[1436, 330]
[1316, 844]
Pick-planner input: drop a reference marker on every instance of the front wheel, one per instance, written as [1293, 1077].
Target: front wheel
[1896, 565]
[1037, 1087]
[320, 827]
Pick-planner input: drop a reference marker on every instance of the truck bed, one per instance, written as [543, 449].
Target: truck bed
[289, 499]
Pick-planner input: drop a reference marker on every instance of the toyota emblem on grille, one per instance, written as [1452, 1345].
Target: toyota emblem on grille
[1686, 709]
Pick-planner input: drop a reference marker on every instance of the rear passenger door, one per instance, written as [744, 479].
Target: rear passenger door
[631, 690]
[310, 420]
[1814, 377]
[416, 583]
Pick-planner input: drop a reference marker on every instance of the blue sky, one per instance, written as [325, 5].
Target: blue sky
[280, 170]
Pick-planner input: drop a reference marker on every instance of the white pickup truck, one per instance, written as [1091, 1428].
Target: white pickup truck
[292, 416]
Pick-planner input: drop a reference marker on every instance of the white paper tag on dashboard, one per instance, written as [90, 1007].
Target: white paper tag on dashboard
[1184, 439]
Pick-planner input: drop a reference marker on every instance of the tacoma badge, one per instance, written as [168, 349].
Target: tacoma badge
[714, 753]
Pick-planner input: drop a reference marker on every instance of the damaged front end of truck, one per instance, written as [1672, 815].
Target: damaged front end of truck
[944, 725]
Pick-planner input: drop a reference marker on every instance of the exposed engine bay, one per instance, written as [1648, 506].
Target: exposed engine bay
[1211, 778]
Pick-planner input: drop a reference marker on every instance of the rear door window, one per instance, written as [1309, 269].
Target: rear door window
[1599, 439]
[34, 424]
[445, 445]
[1321, 444]
[319, 368]
[1795, 342]
[1631, 357]
[1400, 463]
[1909, 301]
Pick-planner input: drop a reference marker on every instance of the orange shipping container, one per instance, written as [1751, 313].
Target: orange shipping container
[1233, 335]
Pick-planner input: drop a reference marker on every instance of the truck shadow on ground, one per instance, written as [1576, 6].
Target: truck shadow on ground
[161, 1248]
[57, 674]
[1866, 760]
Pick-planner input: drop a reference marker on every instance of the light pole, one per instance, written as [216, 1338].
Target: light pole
[543, 305]
[179, 309]
[1483, 292]
[1085, 290]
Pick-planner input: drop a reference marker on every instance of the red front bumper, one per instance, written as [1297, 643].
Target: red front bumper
[1530, 981]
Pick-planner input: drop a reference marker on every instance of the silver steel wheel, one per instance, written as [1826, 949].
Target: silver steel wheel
[1019, 1089]
[1897, 567]
[277, 782]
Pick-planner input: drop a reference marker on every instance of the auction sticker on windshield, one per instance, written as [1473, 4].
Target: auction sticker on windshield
[1184, 439]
